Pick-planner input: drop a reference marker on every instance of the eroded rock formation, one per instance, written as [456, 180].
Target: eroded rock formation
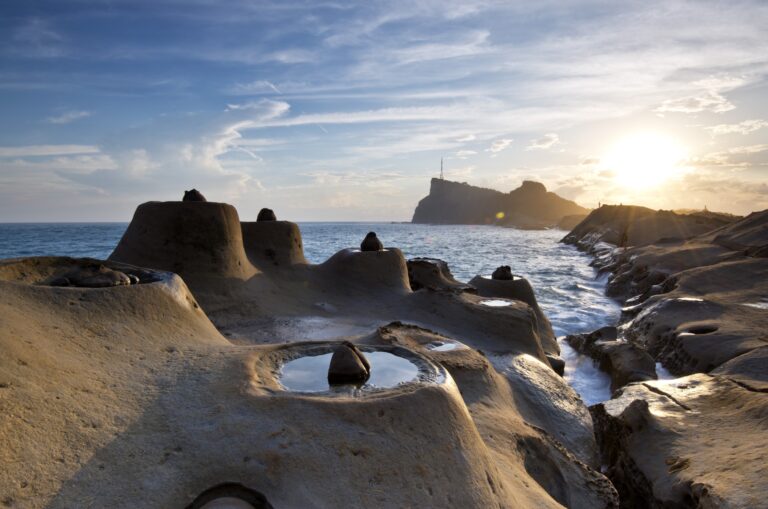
[530, 206]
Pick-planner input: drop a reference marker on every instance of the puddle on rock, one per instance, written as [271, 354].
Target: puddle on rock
[445, 346]
[756, 305]
[310, 373]
[496, 303]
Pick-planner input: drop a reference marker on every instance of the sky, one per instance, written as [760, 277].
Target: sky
[332, 111]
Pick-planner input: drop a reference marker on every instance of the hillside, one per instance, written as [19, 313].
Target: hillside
[530, 206]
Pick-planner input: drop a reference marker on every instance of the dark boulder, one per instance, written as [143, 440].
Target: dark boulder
[193, 195]
[371, 243]
[266, 214]
[503, 273]
[91, 276]
[348, 365]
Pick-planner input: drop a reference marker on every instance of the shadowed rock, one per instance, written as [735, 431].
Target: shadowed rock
[266, 214]
[92, 275]
[433, 274]
[503, 273]
[193, 195]
[348, 365]
[371, 243]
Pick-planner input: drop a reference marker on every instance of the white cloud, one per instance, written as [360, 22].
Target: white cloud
[266, 109]
[547, 141]
[499, 145]
[67, 117]
[744, 127]
[47, 150]
[463, 154]
[706, 101]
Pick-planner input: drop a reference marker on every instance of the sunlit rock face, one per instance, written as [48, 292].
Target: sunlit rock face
[696, 441]
[172, 405]
[529, 206]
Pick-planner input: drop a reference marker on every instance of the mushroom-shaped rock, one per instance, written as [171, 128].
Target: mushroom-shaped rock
[371, 243]
[503, 273]
[271, 244]
[193, 195]
[519, 289]
[348, 365]
[266, 214]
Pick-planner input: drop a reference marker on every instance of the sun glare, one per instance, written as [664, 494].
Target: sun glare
[644, 160]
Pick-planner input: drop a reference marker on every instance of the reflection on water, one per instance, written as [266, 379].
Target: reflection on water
[564, 283]
[496, 303]
[310, 373]
[446, 346]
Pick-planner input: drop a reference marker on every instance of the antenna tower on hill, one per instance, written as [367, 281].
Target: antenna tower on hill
[442, 177]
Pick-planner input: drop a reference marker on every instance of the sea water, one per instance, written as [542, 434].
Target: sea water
[565, 285]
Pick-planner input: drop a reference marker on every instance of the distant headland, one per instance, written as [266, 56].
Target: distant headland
[530, 206]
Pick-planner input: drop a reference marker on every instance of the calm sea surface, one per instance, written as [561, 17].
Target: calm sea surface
[565, 285]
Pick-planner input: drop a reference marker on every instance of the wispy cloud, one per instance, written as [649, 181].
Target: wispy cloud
[547, 141]
[68, 117]
[744, 127]
[499, 145]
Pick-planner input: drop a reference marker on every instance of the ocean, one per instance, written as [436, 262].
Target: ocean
[566, 286]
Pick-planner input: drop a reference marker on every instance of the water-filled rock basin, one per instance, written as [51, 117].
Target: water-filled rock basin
[390, 368]
[496, 303]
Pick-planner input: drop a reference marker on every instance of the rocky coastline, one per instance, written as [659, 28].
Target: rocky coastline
[172, 375]
[695, 297]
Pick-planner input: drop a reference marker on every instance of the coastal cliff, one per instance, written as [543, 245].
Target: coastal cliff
[530, 206]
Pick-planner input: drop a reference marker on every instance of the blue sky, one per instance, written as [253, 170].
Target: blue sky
[342, 110]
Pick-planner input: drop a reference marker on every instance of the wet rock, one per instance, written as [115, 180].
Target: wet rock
[348, 365]
[433, 274]
[624, 362]
[266, 214]
[503, 273]
[557, 364]
[371, 243]
[521, 290]
[193, 195]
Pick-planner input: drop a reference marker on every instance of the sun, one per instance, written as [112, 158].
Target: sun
[644, 160]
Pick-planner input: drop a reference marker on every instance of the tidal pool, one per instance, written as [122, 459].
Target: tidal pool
[310, 373]
[496, 303]
[445, 346]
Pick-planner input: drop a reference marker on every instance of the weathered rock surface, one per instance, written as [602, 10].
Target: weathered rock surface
[273, 244]
[433, 274]
[624, 362]
[529, 206]
[697, 441]
[629, 225]
[518, 288]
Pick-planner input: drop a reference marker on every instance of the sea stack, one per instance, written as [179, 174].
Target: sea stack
[193, 195]
[266, 214]
[371, 243]
[348, 365]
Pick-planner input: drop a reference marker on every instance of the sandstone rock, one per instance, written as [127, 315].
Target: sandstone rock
[266, 214]
[697, 441]
[371, 243]
[433, 274]
[624, 362]
[193, 195]
[348, 365]
[92, 275]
